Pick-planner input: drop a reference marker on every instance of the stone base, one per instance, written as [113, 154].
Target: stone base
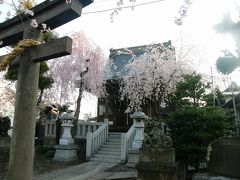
[133, 157]
[65, 153]
[155, 171]
[48, 141]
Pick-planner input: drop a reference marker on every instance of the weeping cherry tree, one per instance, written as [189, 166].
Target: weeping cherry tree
[151, 78]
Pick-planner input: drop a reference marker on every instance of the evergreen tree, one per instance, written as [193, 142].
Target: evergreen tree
[194, 128]
[190, 91]
[45, 80]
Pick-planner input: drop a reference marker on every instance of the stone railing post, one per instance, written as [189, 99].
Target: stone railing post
[84, 127]
[94, 127]
[126, 143]
[89, 145]
[106, 121]
[89, 129]
[123, 148]
[83, 130]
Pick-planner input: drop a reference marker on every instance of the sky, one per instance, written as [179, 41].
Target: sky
[154, 23]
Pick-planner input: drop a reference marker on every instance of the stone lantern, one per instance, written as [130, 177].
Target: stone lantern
[138, 118]
[67, 124]
[133, 152]
[66, 150]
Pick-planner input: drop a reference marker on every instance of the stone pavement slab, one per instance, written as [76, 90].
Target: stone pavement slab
[205, 176]
[114, 175]
[122, 175]
[84, 171]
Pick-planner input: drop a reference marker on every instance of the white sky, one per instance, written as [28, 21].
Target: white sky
[154, 23]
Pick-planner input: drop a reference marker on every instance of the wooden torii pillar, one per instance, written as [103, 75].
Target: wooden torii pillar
[54, 13]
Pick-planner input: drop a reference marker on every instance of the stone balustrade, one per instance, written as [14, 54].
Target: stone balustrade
[84, 127]
[126, 142]
[50, 128]
[96, 139]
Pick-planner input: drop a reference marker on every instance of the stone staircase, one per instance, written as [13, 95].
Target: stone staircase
[111, 151]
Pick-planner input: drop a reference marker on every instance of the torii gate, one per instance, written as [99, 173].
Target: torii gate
[54, 13]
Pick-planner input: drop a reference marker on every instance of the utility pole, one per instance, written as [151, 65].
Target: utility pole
[213, 88]
[234, 110]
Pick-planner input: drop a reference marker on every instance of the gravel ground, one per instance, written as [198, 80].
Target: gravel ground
[42, 164]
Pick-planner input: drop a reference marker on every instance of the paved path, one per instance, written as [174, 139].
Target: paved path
[84, 171]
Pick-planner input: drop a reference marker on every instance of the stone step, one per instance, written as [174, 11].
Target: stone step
[115, 135]
[106, 155]
[111, 146]
[109, 152]
[110, 139]
[114, 139]
[111, 149]
[114, 142]
[96, 159]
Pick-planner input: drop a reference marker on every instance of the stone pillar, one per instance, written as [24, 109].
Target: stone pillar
[66, 150]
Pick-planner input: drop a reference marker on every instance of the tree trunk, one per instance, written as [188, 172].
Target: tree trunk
[77, 112]
[157, 110]
[40, 97]
[106, 108]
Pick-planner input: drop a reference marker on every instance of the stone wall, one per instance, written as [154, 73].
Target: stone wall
[225, 157]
